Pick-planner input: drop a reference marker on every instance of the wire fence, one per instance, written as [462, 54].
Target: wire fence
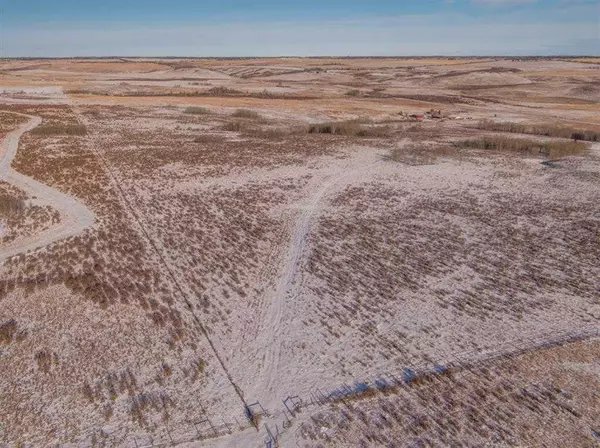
[277, 423]
[319, 396]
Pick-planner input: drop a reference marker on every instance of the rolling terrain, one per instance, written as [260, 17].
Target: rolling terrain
[309, 252]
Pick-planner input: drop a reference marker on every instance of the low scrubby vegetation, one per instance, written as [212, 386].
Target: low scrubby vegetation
[245, 113]
[197, 111]
[551, 150]
[10, 205]
[419, 154]
[223, 91]
[60, 129]
[19, 217]
[233, 126]
[506, 401]
[540, 129]
[9, 332]
[356, 128]
[79, 92]
[219, 91]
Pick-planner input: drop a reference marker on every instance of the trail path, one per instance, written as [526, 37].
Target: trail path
[75, 217]
[289, 284]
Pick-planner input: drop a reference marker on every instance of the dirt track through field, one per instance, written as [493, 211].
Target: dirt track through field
[75, 217]
[290, 282]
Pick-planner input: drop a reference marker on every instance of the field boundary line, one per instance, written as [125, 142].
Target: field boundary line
[113, 177]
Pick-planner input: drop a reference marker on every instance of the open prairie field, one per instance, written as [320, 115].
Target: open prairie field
[300, 252]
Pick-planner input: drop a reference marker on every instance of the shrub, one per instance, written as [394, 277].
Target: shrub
[223, 91]
[8, 331]
[374, 132]
[45, 358]
[270, 133]
[197, 110]
[349, 127]
[9, 205]
[208, 138]
[353, 92]
[419, 154]
[79, 92]
[233, 126]
[541, 129]
[266, 94]
[60, 129]
[552, 150]
[245, 113]
[336, 128]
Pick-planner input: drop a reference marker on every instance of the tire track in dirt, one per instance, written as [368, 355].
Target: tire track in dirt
[290, 282]
[267, 275]
[75, 217]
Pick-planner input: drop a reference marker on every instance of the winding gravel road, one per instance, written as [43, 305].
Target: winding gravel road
[75, 217]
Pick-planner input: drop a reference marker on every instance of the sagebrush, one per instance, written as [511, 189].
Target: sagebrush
[540, 129]
[60, 129]
[551, 150]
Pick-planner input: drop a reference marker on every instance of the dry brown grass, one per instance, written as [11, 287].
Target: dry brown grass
[209, 139]
[540, 129]
[355, 128]
[552, 150]
[234, 126]
[9, 122]
[375, 256]
[108, 267]
[223, 91]
[140, 153]
[45, 360]
[506, 402]
[420, 153]
[11, 205]
[9, 332]
[60, 129]
[20, 218]
[78, 262]
[245, 113]
[336, 128]
[379, 245]
[214, 92]
[79, 92]
[197, 111]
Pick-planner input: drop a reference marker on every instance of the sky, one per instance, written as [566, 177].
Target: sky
[227, 28]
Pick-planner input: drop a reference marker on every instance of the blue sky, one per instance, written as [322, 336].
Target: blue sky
[298, 28]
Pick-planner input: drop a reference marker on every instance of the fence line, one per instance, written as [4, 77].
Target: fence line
[463, 361]
[280, 421]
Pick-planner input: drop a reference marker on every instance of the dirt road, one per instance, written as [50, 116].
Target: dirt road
[289, 284]
[75, 217]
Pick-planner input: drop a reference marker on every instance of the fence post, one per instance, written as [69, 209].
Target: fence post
[270, 433]
[227, 425]
[211, 425]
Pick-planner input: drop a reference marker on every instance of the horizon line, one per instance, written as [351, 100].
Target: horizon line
[482, 56]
